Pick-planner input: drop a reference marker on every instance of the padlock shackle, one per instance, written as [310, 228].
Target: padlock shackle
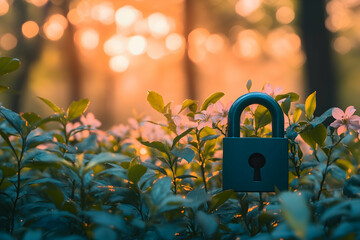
[255, 98]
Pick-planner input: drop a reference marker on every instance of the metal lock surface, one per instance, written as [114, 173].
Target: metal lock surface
[255, 164]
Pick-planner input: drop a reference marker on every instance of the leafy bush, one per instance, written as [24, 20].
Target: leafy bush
[162, 180]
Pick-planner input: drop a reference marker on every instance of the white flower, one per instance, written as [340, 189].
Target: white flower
[205, 117]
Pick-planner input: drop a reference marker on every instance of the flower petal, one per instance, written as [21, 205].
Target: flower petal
[350, 110]
[199, 116]
[337, 123]
[341, 129]
[337, 113]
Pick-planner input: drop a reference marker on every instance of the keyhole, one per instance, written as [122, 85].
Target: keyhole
[257, 161]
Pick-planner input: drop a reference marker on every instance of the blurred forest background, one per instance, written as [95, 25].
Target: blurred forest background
[112, 51]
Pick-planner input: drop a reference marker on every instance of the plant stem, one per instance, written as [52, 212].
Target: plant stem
[325, 172]
[18, 185]
[174, 179]
[202, 166]
[201, 160]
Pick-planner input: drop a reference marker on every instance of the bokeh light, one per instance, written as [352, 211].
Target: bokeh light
[30, 29]
[8, 41]
[214, 43]
[174, 41]
[248, 44]
[245, 7]
[38, 3]
[55, 26]
[87, 38]
[158, 25]
[119, 63]
[137, 45]
[155, 49]
[4, 7]
[116, 45]
[103, 12]
[127, 16]
[285, 15]
[342, 45]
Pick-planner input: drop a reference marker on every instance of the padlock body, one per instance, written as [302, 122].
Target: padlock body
[238, 174]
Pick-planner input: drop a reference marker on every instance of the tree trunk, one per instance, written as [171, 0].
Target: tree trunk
[320, 68]
[28, 51]
[188, 64]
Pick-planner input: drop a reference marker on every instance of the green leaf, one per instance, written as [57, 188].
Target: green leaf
[156, 144]
[286, 106]
[34, 141]
[52, 105]
[106, 157]
[187, 153]
[213, 98]
[262, 117]
[109, 220]
[180, 136]
[14, 120]
[7, 172]
[77, 108]
[248, 85]
[156, 101]
[6, 138]
[3, 88]
[56, 195]
[209, 137]
[208, 224]
[31, 118]
[191, 104]
[313, 136]
[154, 167]
[293, 96]
[310, 105]
[186, 176]
[295, 212]
[218, 199]
[32, 234]
[136, 172]
[161, 189]
[322, 118]
[297, 114]
[352, 187]
[8, 65]
[209, 147]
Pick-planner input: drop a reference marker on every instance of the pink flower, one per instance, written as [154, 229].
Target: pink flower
[79, 135]
[268, 89]
[120, 131]
[221, 113]
[90, 120]
[182, 123]
[345, 121]
[205, 117]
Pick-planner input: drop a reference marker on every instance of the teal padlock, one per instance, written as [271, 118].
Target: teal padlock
[253, 164]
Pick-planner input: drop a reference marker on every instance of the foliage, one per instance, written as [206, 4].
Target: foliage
[162, 180]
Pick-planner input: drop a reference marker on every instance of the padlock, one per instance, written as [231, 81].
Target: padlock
[253, 164]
